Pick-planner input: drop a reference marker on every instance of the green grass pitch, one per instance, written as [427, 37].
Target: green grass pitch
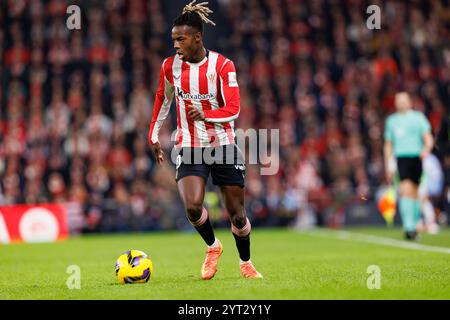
[296, 265]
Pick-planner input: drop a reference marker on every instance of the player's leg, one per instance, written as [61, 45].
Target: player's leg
[192, 191]
[410, 170]
[240, 226]
[429, 216]
[408, 205]
[228, 172]
[191, 180]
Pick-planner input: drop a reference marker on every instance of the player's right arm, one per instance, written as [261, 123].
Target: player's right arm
[161, 107]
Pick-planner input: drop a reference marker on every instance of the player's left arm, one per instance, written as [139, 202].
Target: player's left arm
[230, 94]
[428, 140]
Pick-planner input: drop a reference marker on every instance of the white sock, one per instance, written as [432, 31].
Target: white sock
[215, 244]
[242, 262]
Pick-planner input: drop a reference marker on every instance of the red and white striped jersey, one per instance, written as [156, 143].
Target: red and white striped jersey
[209, 85]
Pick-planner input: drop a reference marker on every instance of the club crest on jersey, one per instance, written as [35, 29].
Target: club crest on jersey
[211, 77]
[189, 96]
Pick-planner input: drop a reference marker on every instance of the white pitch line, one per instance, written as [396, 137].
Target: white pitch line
[346, 235]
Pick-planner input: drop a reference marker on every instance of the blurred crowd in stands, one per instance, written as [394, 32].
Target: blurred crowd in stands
[76, 104]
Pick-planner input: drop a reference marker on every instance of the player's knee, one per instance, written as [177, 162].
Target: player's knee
[408, 189]
[194, 211]
[238, 219]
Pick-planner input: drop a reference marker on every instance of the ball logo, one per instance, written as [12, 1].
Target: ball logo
[38, 225]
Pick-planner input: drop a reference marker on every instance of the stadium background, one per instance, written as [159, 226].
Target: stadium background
[76, 105]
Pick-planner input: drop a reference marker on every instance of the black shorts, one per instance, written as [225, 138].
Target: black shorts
[409, 168]
[225, 163]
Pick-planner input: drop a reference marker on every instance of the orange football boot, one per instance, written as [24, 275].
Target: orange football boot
[249, 271]
[209, 267]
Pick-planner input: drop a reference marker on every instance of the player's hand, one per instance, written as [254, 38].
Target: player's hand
[196, 114]
[424, 154]
[158, 152]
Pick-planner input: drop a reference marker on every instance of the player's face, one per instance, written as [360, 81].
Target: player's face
[402, 101]
[186, 41]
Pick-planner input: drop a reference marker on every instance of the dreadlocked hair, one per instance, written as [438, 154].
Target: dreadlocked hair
[193, 15]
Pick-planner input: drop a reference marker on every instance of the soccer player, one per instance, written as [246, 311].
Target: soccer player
[408, 138]
[207, 102]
